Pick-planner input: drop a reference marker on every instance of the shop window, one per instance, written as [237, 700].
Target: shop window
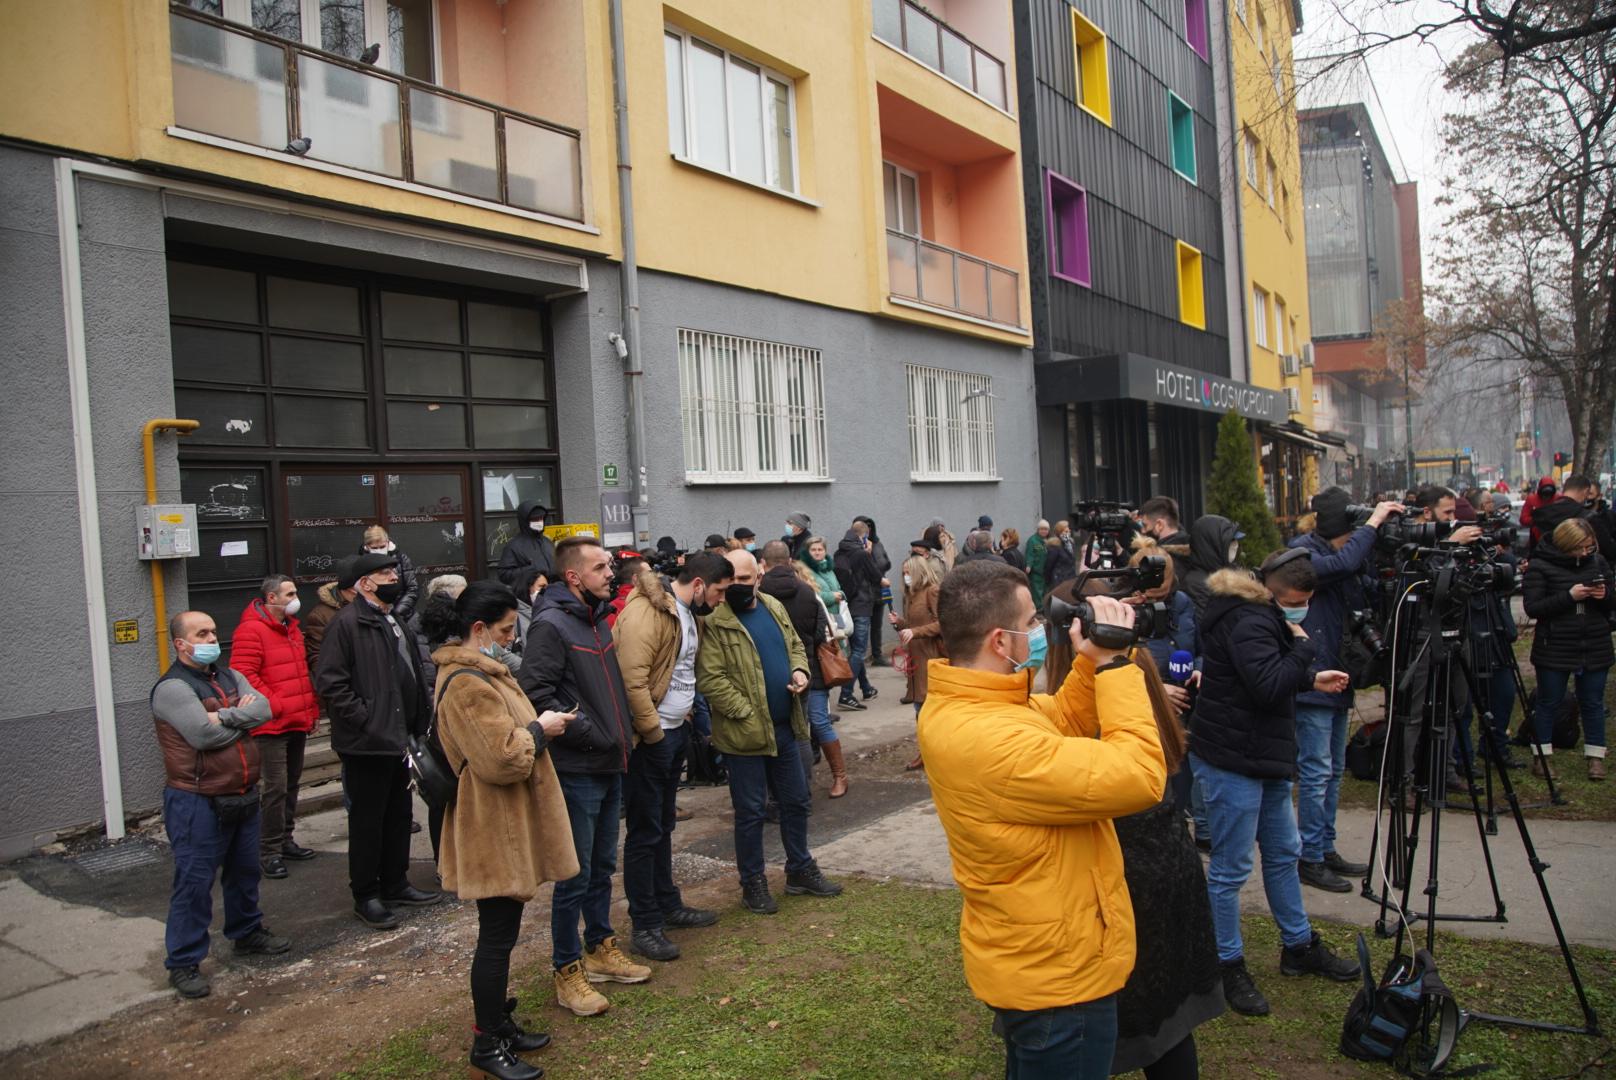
[1181, 127]
[1090, 55]
[1191, 287]
[1068, 229]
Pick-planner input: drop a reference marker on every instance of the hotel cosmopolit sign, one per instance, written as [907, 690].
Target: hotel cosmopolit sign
[1181, 386]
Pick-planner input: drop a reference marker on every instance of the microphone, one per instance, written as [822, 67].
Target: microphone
[1180, 666]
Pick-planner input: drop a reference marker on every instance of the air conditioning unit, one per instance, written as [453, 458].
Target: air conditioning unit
[1307, 354]
[1291, 364]
[1293, 400]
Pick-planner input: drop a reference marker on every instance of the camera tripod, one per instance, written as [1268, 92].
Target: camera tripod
[1395, 865]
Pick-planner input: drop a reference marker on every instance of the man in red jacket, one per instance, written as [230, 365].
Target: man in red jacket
[268, 649]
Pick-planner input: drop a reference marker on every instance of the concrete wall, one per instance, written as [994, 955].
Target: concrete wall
[866, 417]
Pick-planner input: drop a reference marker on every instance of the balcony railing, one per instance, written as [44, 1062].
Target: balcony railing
[238, 83]
[945, 278]
[925, 37]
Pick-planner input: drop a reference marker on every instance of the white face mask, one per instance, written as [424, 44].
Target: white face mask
[294, 607]
[908, 580]
[537, 524]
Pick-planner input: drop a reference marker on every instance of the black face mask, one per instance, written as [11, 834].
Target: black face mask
[390, 592]
[702, 607]
[740, 597]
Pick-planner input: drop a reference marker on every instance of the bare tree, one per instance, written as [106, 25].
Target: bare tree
[1529, 263]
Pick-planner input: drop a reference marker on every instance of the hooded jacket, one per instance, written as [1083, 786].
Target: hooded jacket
[328, 601]
[807, 616]
[376, 695]
[507, 831]
[270, 654]
[1210, 538]
[648, 642]
[1026, 787]
[1533, 503]
[1252, 668]
[1060, 562]
[1341, 590]
[571, 659]
[528, 549]
[860, 580]
[1571, 635]
[1549, 516]
[730, 675]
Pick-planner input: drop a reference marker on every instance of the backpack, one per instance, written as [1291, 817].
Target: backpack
[1365, 749]
[703, 764]
[1567, 724]
[1410, 1020]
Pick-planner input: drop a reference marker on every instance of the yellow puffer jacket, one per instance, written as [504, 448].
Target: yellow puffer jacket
[1026, 794]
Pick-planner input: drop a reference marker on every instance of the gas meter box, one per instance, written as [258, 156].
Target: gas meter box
[166, 530]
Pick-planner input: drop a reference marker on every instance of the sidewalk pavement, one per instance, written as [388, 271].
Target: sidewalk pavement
[910, 844]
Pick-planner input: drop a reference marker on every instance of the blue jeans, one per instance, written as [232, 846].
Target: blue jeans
[819, 717]
[858, 644]
[653, 782]
[1321, 758]
[592, 800]
[701, 717]
[1243, 810]
[201, 848]
[1072, 1042]
[752, 778]
[1551, 690]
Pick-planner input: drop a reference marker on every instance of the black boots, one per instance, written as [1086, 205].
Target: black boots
[755, 895]
[653, 944]
[1240, 992]
[810, 882]
[1315, 958]
[492, 1059]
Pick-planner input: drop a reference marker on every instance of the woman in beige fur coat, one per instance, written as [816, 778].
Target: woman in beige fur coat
[507, 831]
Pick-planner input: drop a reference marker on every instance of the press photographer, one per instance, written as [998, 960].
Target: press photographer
[1342, 555]
[1026, 786]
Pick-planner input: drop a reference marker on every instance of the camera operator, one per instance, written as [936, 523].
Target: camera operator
[1341, 555]
[1026, 786]
[1568, 591]
[1576, 500]
[1492, 633]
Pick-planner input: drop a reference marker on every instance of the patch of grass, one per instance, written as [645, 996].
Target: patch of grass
[870, 985]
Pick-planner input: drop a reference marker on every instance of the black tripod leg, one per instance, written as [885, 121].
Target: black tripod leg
[1529, 714]
[1482, 829]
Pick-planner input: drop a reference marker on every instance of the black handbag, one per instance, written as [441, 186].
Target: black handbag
[430, 773]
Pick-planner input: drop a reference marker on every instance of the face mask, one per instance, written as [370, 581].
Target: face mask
[1294, 614]
[537, 525]
[294, 606]
[908, 580]
[378, 550]
[1037, 649]
[740, 597]
[489, 650]
[205, 652]
[751, 547]
[390, 592]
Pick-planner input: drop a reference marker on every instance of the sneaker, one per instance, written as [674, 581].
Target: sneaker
[188, 982]
[1596, 769]
[1315, 958]
[261, 943]
[810, 882]
[682, 918]
[272, 867]
[574, 993]
[653, 945]
[871, 694]
[1321, 876]
[756, 896]
[1343, 867]
[852, 704]
[1240, 992]
[606, 963]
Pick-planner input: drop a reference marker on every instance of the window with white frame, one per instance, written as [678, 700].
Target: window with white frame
[901, 189]
[752, 411]
[1259, 317]
[1279, 324]
[345, 27]
[727, 113]
[1269, 171]
[1249, 150]
[1240, 9]
[950, 425]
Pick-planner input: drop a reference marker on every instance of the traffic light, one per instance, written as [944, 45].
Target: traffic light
[1559, 459]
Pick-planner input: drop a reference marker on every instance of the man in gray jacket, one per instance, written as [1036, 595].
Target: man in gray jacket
[203, 712]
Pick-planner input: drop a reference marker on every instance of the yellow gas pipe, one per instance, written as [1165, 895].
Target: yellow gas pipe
[159, 601]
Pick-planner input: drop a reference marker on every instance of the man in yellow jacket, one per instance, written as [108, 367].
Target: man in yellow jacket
[1026, 786]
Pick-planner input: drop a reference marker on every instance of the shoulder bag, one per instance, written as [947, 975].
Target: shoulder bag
[430, 772]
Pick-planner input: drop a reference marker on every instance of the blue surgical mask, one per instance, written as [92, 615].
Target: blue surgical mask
[751, 547]
[1295, 614]
[205, 652]
[1037, 649]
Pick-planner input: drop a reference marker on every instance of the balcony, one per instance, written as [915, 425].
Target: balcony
[941, 277]
[912, 29]
[246, 86]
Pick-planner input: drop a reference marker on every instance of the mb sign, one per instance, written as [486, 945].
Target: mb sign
[616, 519]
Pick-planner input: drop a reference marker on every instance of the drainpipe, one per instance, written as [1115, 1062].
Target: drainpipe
[159, 598]
[95, 600]
[628, 342]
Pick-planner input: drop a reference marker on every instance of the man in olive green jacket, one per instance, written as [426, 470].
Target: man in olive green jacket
[753, 672]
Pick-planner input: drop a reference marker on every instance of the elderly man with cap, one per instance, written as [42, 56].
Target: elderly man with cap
[375, 693]
[748, 539]
[1341, 558]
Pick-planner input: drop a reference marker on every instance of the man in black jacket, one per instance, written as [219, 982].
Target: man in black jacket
[1158, 518]
[1255, 659]
[861, 585]
[883, 595]
[1214, 544]
[812, 623]
[1573, 502]
[570, 664]
[531, 548]
[375, 693]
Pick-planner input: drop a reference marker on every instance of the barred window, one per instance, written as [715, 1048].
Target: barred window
[950, 425]
[751, 410]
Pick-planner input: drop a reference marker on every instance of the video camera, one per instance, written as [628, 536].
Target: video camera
[1110, 527]
[1149, 620]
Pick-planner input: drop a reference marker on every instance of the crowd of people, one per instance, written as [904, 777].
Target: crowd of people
[566, 697]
